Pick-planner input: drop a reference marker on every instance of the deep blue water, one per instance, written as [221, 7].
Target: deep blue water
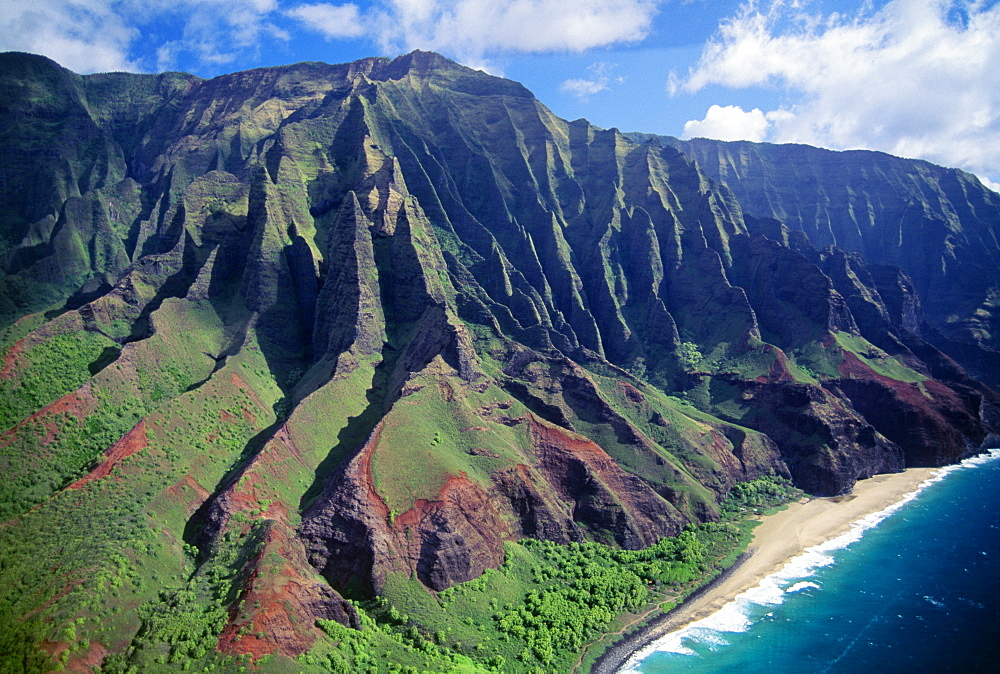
[916, 589]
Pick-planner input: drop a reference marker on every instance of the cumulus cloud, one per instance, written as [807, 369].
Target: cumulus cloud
[83, 36]
[731, 122]
[989, 183]
[92, 35]
[472, 29]
[917, 78]
[216, 31]
[333, 21]
[602, 76]
[101, 35]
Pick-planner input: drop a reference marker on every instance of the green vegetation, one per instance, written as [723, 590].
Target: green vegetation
[439, 432]
[389, 645]
[816, 361]
[51, 368]
[100, 535]
[759, 495]
[688, 355]
[47, 454]
[877, 359]
[181, 625]
[548, 602]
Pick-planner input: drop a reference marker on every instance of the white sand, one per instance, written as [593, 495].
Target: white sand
[786, 535]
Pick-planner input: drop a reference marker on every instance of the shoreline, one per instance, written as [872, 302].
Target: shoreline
[619, 653]
[776, 541]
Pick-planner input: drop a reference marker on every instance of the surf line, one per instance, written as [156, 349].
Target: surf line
[733, 617]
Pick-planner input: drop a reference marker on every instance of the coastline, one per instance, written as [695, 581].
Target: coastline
[619, 653]
[777, 540]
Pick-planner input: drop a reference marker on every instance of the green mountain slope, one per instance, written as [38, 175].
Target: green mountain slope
[302, 350]
[937, 224]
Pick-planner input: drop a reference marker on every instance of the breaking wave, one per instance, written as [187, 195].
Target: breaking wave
[736, 616]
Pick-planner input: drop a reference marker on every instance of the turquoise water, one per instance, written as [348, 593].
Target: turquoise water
[915, 588]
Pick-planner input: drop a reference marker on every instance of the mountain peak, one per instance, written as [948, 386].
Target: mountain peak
[437, 70]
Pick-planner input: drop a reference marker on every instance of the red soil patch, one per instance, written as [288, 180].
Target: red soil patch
[551, 438]
[240, 383]
[364, 470]
[463, 508]
[66, 589]
[450, 488]
[631, 393]
[910, 393]
[274, 456]
[133, 442]
[90, 661]
[854, 367]
[447, 391]
[188, 482]
[779, 371]
[78, 404]
[10, 360]
[563, 454]
[722, 453]
[281, 445]
[489, 408]
[53, 648]
[274, 611]
[929, 420]
[269, 465]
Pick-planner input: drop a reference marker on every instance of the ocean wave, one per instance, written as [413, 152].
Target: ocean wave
[933, 601]
[803, 585]
[736, 615]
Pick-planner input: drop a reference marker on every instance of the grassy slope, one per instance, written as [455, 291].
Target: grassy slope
[122, 578]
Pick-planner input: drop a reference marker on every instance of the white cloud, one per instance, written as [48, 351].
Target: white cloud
[333, 21]
[472, 29]
[990, 184]
[101, 35]
[216, 31]
[82, 36]
[91, 35]
[917, 78]
[601, 78]
[581, 88]
[731, 122]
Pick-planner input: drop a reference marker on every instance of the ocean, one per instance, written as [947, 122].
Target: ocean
[914, 588]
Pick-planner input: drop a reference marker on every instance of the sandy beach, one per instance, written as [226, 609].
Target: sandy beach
[778, 539]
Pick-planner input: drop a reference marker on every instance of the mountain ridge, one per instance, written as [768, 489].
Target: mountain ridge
[957, 240]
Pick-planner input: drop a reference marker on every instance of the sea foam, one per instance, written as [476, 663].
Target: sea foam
[736, 615]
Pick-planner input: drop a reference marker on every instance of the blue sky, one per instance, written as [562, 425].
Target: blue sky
[917, 78]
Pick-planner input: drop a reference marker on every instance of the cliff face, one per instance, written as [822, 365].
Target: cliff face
[333, 325]
[936, 224]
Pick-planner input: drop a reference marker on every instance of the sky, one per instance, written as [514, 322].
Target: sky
[915, 78]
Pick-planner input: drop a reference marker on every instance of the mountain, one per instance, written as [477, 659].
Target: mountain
[937, 224]
[320, 331]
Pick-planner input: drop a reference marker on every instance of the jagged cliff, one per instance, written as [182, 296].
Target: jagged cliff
[937, 224]
[330, 325]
